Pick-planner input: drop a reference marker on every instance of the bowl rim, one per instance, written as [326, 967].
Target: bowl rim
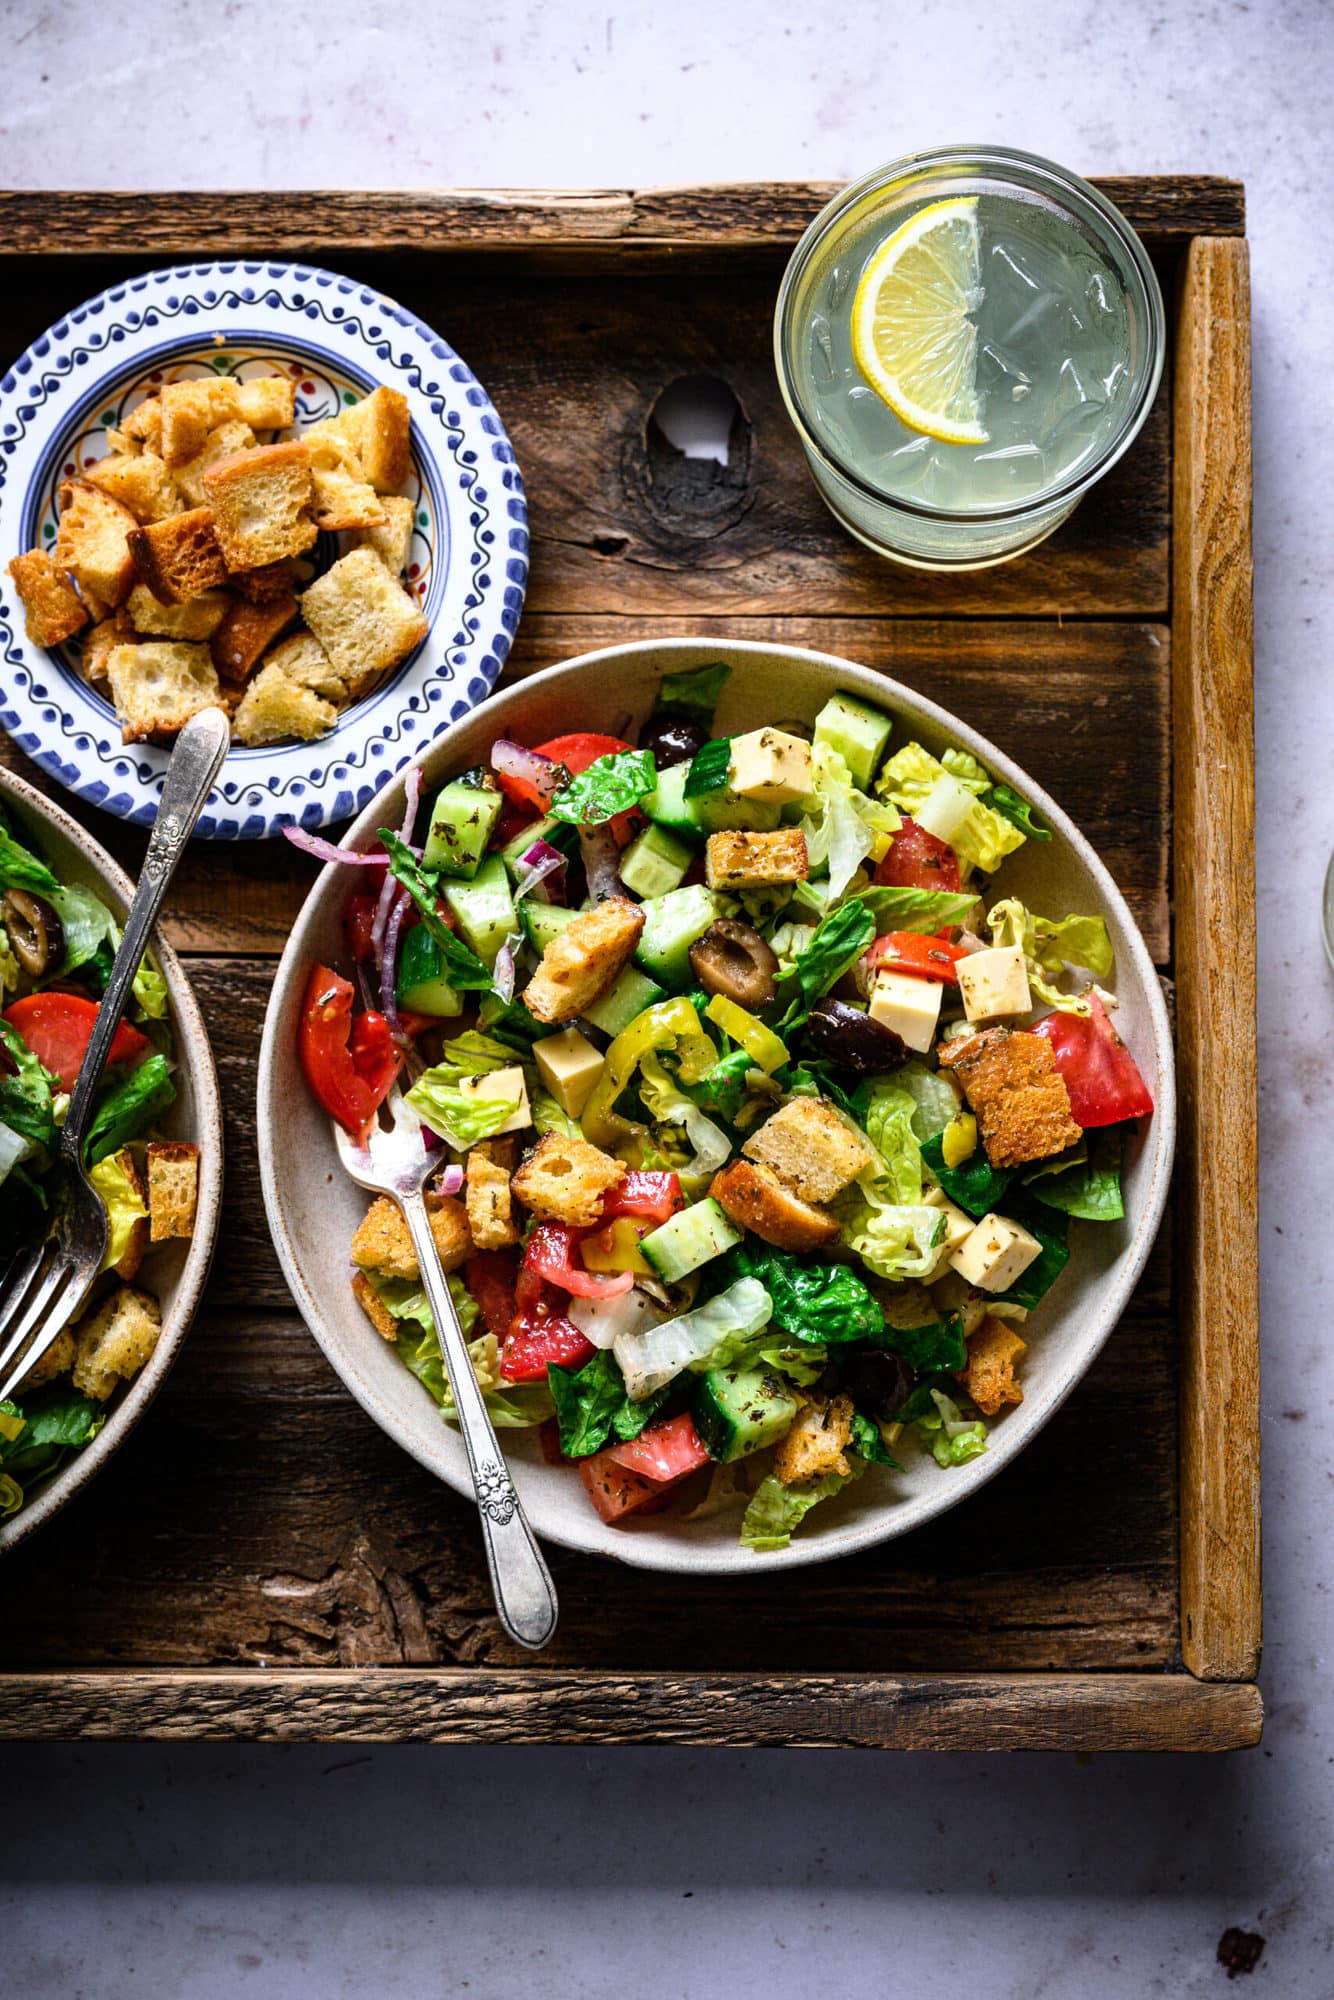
[870, 1527]
[195, 1053]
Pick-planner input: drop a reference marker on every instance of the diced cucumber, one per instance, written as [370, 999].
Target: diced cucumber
[463, 820]
[421, 986]
[671, 925]
[654, 862]
[694, 819]
[614, 1010]
[543, 921]
[687, 1240]
[709, 768]
[484, 908]
[668, 806]
[723, 812]
[740, 1410]
[556, 833]
[859, 733]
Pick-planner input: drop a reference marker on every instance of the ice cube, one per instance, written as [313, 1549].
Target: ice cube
[823, 370]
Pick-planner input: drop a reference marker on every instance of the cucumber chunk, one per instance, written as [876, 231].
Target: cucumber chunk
[421, 986]
[654, 862]
[688, 1239]
[556, 833]
[463, 820]
[694, 819]
[543, 921]
[614, 1010]
[740, 1410]
[484, 908]
[671, 925]
[859, 733]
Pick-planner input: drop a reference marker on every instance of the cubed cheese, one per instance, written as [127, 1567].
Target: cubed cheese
[995, 1254]
[506, 1083]
[569, 1066]
[770, 765]
[994, 983]
[911, 1007]
[957, 1227]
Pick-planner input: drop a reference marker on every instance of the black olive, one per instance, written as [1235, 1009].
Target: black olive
[672, 739]
[34, 931]
[844, 1034]
[878, 1382]
[732, 959]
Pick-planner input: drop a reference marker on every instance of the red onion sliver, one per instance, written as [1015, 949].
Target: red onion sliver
[388, 964]
[602, 862]
[540, 862]
[431, 1140]
[502, 973]
[518, 762]
[451, 1180]
[413, 789]
[324, 850]
[382, 908]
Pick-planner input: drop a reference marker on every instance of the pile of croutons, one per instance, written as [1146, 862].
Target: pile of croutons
[176, 557]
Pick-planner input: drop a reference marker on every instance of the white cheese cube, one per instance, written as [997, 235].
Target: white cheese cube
[994, 983]
[957, 1227]
[502, 1083]
[911, 1007]
[994, 1254]
[569, 1066]
[945, 808]
[770, 765]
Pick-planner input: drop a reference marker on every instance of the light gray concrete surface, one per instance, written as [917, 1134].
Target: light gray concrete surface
[210, 1872]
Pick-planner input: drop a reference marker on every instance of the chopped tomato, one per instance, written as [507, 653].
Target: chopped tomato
[550, 1254]
[512, 821]
[358, 923]
[58, 1027]
[1100, 1073]
[664, 1453]
[535, 1340]
[923, 957]
[490, 1276]
[349, 1064]
[651, 1194]
[918, 860]
[612, 1489]
[582, 748]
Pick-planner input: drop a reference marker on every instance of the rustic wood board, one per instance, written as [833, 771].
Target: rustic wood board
[302, 1577]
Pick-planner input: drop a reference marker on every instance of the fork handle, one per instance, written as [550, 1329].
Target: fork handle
[196, 760]
[520, 1580]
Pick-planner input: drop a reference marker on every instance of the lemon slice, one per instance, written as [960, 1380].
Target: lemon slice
[911, 335]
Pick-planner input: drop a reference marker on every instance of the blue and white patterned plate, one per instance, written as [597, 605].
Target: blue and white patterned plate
[337, 340]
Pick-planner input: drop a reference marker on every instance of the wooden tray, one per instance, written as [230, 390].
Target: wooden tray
[261, 1561]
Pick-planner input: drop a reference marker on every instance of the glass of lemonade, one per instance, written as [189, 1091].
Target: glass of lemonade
[966, 341]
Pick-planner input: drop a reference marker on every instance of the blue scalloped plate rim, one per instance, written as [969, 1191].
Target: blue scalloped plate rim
[471, 491]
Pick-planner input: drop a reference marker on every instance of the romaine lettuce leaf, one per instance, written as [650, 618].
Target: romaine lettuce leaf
[512, 1405]
[27, 1096]
[20, 868]
[123, 1204]
[816, 1303]
[894, 1239]
[460, 1116]
[592, 1406]
[1018, 811]
[950, 1436]
[934, 1099]
[656, 1356]
[463, 968]
[976, 1186]
[609, 786]
[1087, 1185]
[1052, 1230]
[87, 925]
[127, 1107]
[923, 910]
[868, 1444]
[885, 1112]
[837, 941]
[1047, 943]
[843, 829]
[986, 836]
[962, 764]
[776, 1510]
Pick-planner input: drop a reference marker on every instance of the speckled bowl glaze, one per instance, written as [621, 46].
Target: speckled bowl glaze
[335, 340]
[174, 1272]
[313, 1209]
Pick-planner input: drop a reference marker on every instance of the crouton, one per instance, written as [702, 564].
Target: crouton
[754, 860]
[344, 498]
[53, 611]
[274, 707]
[810, 1149]
[158, 686]
[382, 1243]
[180, 557]
[188, 411]
[376, 1311]
[58, 1360]
[261, 504]
[1012, 1083]
[814, 1447]
[584, 959]
[92, 543]
[173, 1188]
[115, 1341]
[379, 430]
[118, 630]
[756, 1199]
[363, 618]
[140, 482]
[245, 634]
[490, 1210]
[306, 664]
[564, 1180]
[273, 579]
[392, 538]
[993, 1353]
[265, 402]
[198, 618]
[143, 425]
[223, 442]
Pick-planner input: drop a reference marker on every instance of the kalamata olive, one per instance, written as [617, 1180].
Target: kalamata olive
[672, 739]
[732, 959]
[878, 1383]
[843, 1033]
[34, 932]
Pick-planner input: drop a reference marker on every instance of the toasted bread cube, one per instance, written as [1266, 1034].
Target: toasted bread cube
[265, 402]
[756, 1199]
[392, 538]
[994, 983]
[261, 504]
[143, 425]
[1012, 1083]
[569, 1066]
[189, 410]
[383, 1244]
[379, 429]
[158, 686]
[908, 1006]
[274, 707]
[995, 1254]
[140, 482]
[814, 1446]
[223, 442]
[53, 611]
[173, 1188]
[374, 1306]
[770, 765]
[245, 634]
[118, 630]
[564, 1180]
[180, 557]
[340, 501]
[115, 1341]
[584, 959]
[275, 579]
[58, 1360]
[487, 1198]
[810, 1149]
[993, 1354]
[92, 543]
[363, 618]
[198, 618]
[306, 664]
[754, 860]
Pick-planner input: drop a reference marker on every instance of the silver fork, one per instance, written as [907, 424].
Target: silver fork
[51, 1280]
[394, 1162]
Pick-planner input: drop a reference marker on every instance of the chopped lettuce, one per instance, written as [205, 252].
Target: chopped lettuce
[814, 1302]
[609, 786]
[894, 1239]
[986, 836]
[9, 966]
[977, 1187]
[694, 695]
[846, 824]
[835, 944]
[475, 1054]
[652, 1358]
[20, 868]
[463, 968]
[933, 1096]
[129, 1104]
[926, 1338]
[27, 1097]
[36, 1435]
[671, 1112]
[886, 1111]
[1052, 1230]
[867, 1442]
[150, 990]
[1085, 1182]
[1005, 801]
[87, 925]
[1047, 943]
[463, 1116]
[548, 1115]
[123, 1204]
[512, 1405]
[592, 1406]
[776, 1510]
[923, 910]
[962, 764]
[950, 1437]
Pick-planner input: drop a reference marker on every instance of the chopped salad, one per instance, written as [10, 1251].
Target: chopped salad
[762, 1114]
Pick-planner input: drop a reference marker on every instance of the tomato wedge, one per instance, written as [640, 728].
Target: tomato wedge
[535, 1341]
[576, 752]
[349, 1064]
[490, 1276]
[664, 1453]
[550, 1254]
[57, 1028]
[918, 860]
[650, 1194]
[909, 951]
[358, 923]
[1100, 1073]
[613, 1490]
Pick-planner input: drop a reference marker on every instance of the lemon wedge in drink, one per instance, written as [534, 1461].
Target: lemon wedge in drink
[912, 337]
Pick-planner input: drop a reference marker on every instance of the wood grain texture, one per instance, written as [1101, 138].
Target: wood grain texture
[725, 215]
[1214, 787]
[830, 1711]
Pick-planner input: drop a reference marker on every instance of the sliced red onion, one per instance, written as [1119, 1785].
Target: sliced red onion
[450, 1181]
[502, 972]
[515, 761]
[537, 866]
[388, 964]
[431, 1140]
[413, 790]
[602, 862]
[324, 850]
[387, 893]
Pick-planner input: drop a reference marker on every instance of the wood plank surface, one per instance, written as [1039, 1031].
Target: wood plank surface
[1215, 903]
[1066, 1712]
[324, 222]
